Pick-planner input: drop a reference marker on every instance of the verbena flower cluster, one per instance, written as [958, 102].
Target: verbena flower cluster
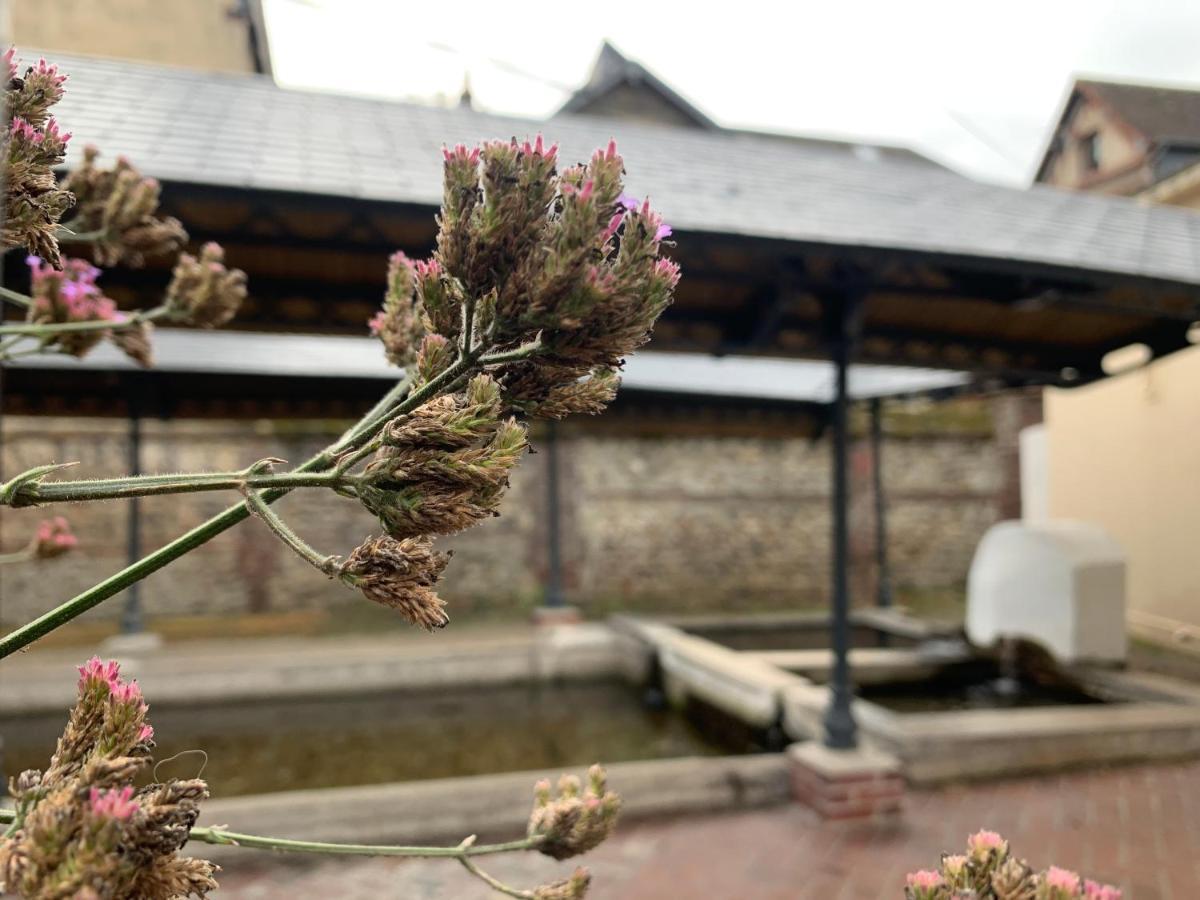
[988, 871]
[34, 202]
[563, 264]
[115, 219]
[84, 830]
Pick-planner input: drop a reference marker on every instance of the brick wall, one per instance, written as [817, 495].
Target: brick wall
[680, 523]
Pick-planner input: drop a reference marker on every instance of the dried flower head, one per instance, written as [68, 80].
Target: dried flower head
[68, 295]
[203, 292]
[578, 819]
[573, 888]
[121, 205]
[33, 146]
[444, 467]
[53, 538]
[84, 829]
[402, 575]
[135, 341]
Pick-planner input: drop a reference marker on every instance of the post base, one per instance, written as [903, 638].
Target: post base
[863, 783]
[138, 644]
[557, 615]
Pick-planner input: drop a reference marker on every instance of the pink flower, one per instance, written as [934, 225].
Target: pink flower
[113, 803]
[922, 884]
[663, 231]
[460, 154]
[982, 843]
[376, 322]
[608, 153]
[667, 270]
[628, 202]
[1062, 880]
[146, 734]
[1093, 890]
[94, 672]
[127, 693]
[538, 148]
[427, 268]
[613, 224]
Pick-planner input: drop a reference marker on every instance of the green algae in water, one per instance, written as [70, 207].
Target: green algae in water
[277, 746]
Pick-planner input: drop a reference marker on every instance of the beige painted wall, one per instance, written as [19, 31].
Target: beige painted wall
[199, 34]
[1125, 453]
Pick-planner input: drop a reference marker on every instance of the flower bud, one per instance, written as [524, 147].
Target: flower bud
[573, 888]
[53, 538]
[577, 820]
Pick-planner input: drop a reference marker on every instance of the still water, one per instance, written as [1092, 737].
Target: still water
[261, 747]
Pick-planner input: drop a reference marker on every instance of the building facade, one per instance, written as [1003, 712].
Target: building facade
[1124, 452]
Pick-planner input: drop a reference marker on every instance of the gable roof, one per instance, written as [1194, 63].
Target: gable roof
[246, 132]
[1163, 116]
[613, 70]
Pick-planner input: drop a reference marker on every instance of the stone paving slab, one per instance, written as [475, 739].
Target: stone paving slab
[1138, 827]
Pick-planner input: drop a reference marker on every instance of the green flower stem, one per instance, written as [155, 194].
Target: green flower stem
[494, 884]
[65, 235]
[36, 493]
[50, 329]
[258, 506]
[17, 556]
[224, 837]
[22, 300]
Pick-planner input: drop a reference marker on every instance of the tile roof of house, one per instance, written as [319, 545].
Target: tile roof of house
[1163, 114]
[246, 132]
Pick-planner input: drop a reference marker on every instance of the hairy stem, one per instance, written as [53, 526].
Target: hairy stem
[64, 235]
[22, 300]
[225, 837]
[323, 563]
[493, 883]
[50, 329]
[36, 493]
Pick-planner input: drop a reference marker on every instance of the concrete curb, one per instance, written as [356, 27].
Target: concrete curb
[496, 807]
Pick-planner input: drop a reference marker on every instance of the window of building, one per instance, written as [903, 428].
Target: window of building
[1090, 145]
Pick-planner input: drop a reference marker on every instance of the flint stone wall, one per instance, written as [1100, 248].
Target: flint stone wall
[673, 523]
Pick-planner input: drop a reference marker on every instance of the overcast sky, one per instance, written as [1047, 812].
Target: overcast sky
[974, 84]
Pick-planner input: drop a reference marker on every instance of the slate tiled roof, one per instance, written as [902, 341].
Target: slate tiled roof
[293, 355]
[244, 131]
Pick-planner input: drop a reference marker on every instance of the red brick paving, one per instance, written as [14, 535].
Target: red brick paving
[1137, 827]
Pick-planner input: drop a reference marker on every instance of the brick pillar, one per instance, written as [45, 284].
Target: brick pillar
[863, 783]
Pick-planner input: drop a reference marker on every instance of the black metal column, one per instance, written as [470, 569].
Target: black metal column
[883, 595]
[131, 615]
[554, 596]
[841, 732]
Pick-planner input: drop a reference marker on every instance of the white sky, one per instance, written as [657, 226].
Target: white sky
[973, 83]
